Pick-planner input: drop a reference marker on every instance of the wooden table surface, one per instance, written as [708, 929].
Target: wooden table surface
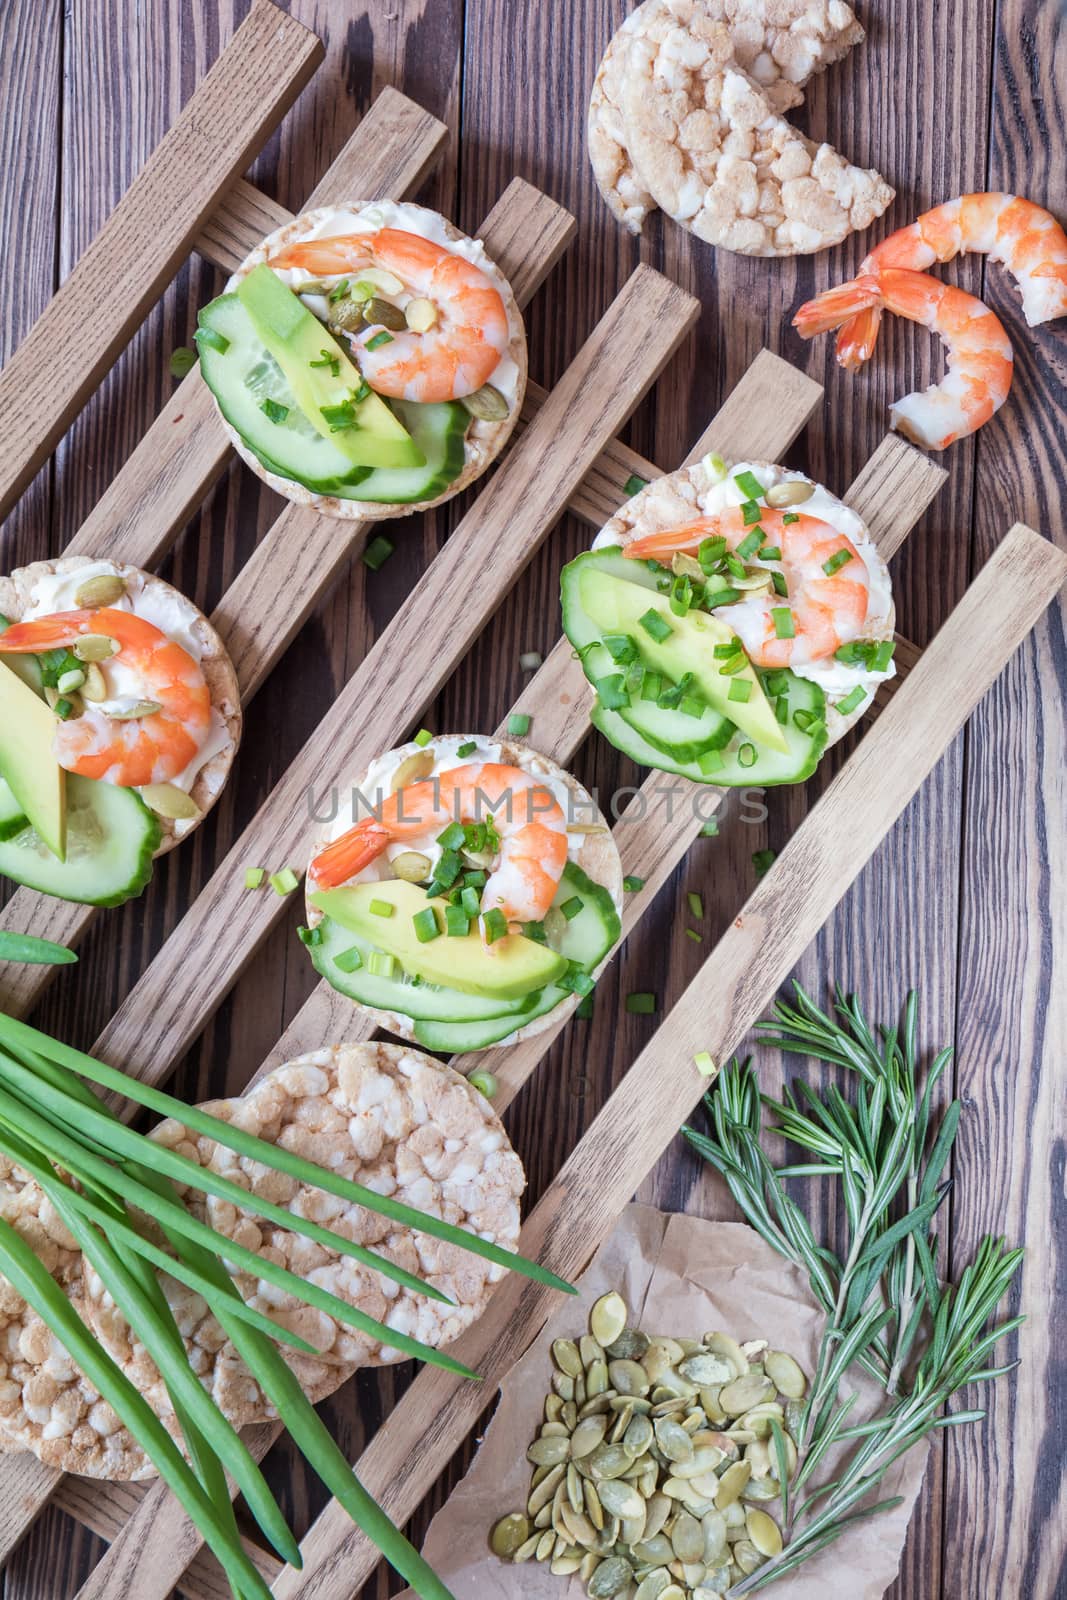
[965, 900]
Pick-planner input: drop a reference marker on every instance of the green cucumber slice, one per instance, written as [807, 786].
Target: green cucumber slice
[439, 431]
[242, 377]
[456, 1038]
[111, 839]
[596, 928]
[12, 817]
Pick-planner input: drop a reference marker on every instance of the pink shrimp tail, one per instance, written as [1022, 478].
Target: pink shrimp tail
[834, 307]
[349, 854]
[45, 633]
[857, 338]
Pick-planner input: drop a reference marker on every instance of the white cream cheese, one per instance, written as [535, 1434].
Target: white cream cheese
[835, 677]
[333, 220]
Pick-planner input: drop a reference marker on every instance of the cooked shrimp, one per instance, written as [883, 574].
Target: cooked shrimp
[526, 814]
[979, 351]
[130, 751]
[828, 608]
[462, 349]
[1025, 238]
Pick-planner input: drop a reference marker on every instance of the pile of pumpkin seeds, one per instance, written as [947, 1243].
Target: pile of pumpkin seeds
[656, 1461]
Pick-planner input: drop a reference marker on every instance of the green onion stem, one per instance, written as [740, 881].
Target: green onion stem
[20, 1034]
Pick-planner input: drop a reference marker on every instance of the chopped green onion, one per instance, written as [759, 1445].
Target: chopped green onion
[611, 691]
[705, 1065]
[448, 868]
[734, 567]
[631, 884]
[254, 876]
[749, 485]
[484, 1082]
[750, 514]
[691, 933]
[495, 924]
[652, 686]
[30, 950]
[470, 900]
[381, 908]
[715, 467]
[475, 879]
[212, 339]
[710, 830]
[781, 708]
[672, 696]
[378, 552]
[726, 652]
[781, 587]
[466, 749]
[576, 980]
[783, 622]
[762, 860]
[711, 761]
[454, 837]
[535, 931]
[770, 552]
[63, 708]
[273, 410]
[791, 516]
[737, 663]
[309, 936]
[518, 724]
[182, 361]
[681, 595]
[285, 881]
[721, 597]
[750, 544]
[584, 1008]
[635, 679]
[379, 340]
[854, 698]
[425, 924]
[776, 682]
[633, 485]
[740, 690]
[805, 720]
[327, 359]
[693, 706]
[883, 655]
[457, 922]
[422, 738]
[746, 756]
[711, 551]
[641, 1005]
[339, 416]
[571, 907]
[530, 660]
[381, 964]
[339, 291]
[834, 564]
[696, 904]
[655, 626]
[349, 960]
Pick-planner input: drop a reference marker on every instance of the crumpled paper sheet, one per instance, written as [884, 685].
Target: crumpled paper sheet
[678, 1275]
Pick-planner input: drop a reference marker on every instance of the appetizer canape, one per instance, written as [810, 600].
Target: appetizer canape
[468, 889]
[366, 359]
[732, 623]
[119, 720]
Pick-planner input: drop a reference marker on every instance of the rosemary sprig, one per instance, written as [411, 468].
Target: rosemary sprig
[885, 1307]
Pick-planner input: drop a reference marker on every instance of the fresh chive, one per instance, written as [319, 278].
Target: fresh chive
[783, 622]
[734, 567]
[611, 691]
[518, 724]
[746, 756]
[467, 748]
[883, 655]
[328, 359]
[309, 936]
[749, 485]
[704, 1064]
[762, 860]
[381, 964]
[750, 514]
[30, 950]
[484, 1082]
[681, 595]
[379, 340]
[63, 708]
[425, 924]
[631, 884]
[457, 922]
[651, 686]
[696, 904]
[750, 544]
[448, 868]
[182, 361]
[781, 587]
[781, 708]
[273, 410]
[212, 339]
[584, 1008]
[711, 551]
[721, 597]
[339, 291]
[475, 836]
[378, 552]
[254, 877]
[693, 706]
[339, 416]
[776, 682]
[791, 516]
[576, 980]
[655, 626]
[835, 562]
[633, 485]
[641, 1004]
[691, 933]
[770, 552]
[854, 698]
[804, 720]
[710, 761]
[737, 663]
[710, 830]
[495, 924]
[475, 879]
[740, 690]
[635, 679]
[349, 960]
[422, 738]
[284, 882]
[572, 907]
[726, 652]
[454, 837]
[381, 908]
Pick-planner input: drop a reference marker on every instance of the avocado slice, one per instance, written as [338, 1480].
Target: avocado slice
[30, 770]
[321, 375]
[505, 970]
[616, 606]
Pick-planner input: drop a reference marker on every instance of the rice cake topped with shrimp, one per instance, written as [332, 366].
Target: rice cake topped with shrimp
[198, 746]
[419, 266]
[472, 892]
[780, 43]
[706, 140]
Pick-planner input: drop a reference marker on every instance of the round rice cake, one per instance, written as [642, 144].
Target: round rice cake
[590, 846]
[694, 491]
[169, 609]
[781, 43]
[484, 440]
[711, 149]
[383, 1115]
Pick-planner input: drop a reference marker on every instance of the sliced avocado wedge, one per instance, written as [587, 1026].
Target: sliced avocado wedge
[505, 970]
[323, 379]
[31, 771]
[617, 607]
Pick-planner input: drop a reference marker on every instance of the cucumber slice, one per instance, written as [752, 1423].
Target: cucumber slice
[245, 374]
[596, 928]
[457, 1037]
[439, 431]
[12, 817]
[111, 839]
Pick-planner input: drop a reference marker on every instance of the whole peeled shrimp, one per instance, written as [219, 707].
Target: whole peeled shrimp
[828, 609]
[528, 819]
[454, 357]
[1022, 236]
[980, 356]
[172, 719]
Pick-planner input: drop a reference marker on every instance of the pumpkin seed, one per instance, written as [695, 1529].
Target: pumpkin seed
[567, 1358]
[610, 1578]
[622, 1422]
[103, 590]
[574, 1490]
[545, 1545]
[590, 1350]
[673, 1440]
[542, 1492]
[94, 687]
[793, 493]
[554, 1430]
[553, 1408]
[672, 1592]
[547, 1452]
[629, 1346]
[525, 1551]
[509, 1535]
[692, 1572]
[581, 1393]
[420, 315]
[758, 1457]
[734, 1515]
[754, 1348]
[607, 1461]
[687, 1537]
[413, 767]
[596, 1379]
[587, 1435]
[758, 1420]
[764, 1533]
[411, 865]
[593, 1508]
[488, 405]
[785, 1374]
[706, 1368]
[381, 313]
[662, 1354]
[607, 1320]
[621, 1499]
[767, 1488]
[140, 708]
[167, 800]
[590, 1562]
[709, 1399]
[638, 1436]
[631, 1529]
[94, 647]
[629, 1377]
[721, 1344]
[714, 1525]
[578, 1526]
[652, 1587]
[346, 316]
[638, 1404]
[743, 1393]
[543, 1518]
[702, 1592]
[565, 1565]
[747, 1556]
[731, 1483]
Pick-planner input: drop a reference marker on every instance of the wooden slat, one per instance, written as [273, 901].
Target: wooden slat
[231, 115]
[731, 990]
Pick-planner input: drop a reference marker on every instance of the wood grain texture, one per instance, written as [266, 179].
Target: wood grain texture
[90, 319]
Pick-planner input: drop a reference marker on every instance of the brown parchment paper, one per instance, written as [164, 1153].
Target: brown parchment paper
[678, 1275]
